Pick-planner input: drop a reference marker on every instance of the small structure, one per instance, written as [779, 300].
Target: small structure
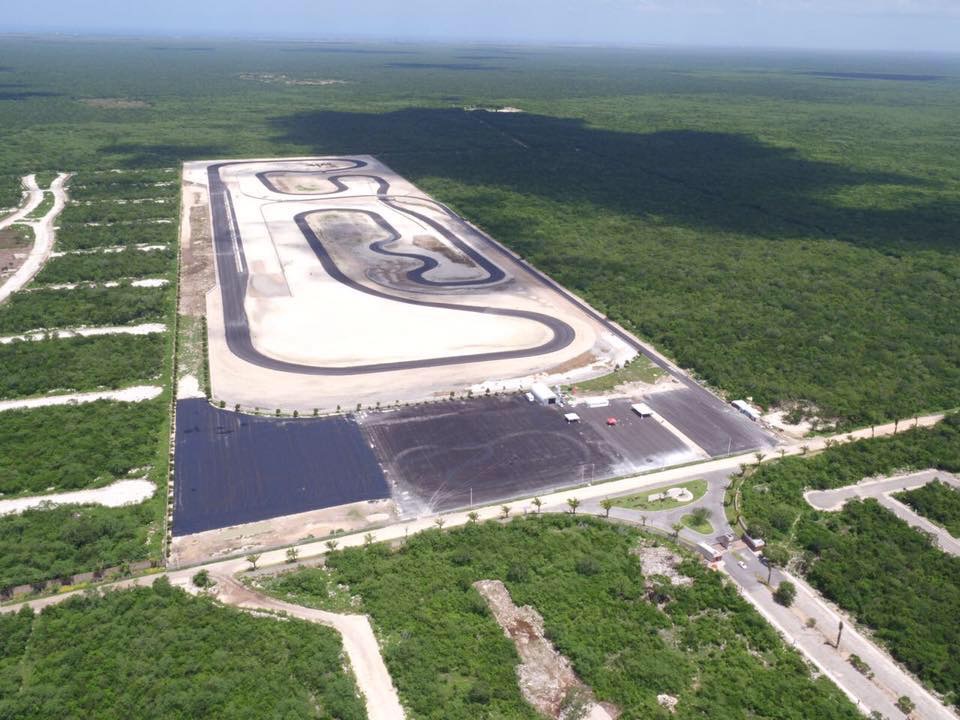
[597, 402]
[642, 409]
[679, 494]
[709, 552]
[543, 395]
[754, 543]
[571, 417]
[744, 407]
[727, 539]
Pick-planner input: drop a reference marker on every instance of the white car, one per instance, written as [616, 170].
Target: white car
[742, 564]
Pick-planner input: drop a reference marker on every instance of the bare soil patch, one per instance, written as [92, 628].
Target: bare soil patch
[429, 242]
[114, 103]
[547, 680]
[282, 79]
[196, 255]
[660, 561]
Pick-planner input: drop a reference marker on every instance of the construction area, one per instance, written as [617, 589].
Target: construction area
[365, 344]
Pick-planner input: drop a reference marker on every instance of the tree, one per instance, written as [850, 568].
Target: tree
[473, 516]
[202, 579]
[804, 449]
[677, 527]
[574, 504]
[643, 520]
[775, 556]
[759, 456]
[253, 559]
[440, 522]
[331, 545]
[700, 515]
[537, 503]
[292, 555]
[368, 539]
[785, 593]
[504, 512]
[606, 504]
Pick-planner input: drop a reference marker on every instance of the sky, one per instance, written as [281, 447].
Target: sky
[910, 25]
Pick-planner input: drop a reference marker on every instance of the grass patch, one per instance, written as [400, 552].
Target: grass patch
[937, 502]
[640, 369]
[80, 364]
[101, 267]
[641, 501]
[450, 659]
[697, 524]
[161, 653]
[45, 206]
[50, 309]
[191, 358]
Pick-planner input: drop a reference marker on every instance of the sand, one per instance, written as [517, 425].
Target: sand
[122, 492]
[138, 393]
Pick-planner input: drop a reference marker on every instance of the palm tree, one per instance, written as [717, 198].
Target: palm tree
[368, 539]
[677, 527]
[643, 519]
[439, 522]
[331, 545]
[783, 451]
[473, 516]
[759, 456]
[292, 555]
[606, 504]
[253, 559]
[537, 503]
[804, 449]
[504, 512]
[574, 504]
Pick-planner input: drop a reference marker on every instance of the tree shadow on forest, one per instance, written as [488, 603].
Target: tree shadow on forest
[140, 155]
[702, 180]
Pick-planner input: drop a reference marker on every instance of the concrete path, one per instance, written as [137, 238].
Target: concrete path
[138, 393]
[43, 232]
[34, 196]
[883, 490]
[121, 492]
[359, 643]
[889, 681]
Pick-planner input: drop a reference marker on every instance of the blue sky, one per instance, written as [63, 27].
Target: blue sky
[915, 25]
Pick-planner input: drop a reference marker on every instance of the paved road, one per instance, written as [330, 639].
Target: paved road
[232, 277]
[883, 491]
[43, 233]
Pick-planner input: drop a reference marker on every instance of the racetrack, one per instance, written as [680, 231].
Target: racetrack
[233, 277]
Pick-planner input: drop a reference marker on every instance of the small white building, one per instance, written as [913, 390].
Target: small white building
[709, 552]
[571, 417]
[746, 409]
[543, 395]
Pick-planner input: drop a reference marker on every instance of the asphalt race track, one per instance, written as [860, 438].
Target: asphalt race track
[232, 468]
[232, 276]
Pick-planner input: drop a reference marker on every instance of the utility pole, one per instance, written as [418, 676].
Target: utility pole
[839, 633]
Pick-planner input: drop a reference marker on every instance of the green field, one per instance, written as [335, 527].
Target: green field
[450, 659]
[938, 502]
[639, 370]
[787, 237]
[160, 654]
[101, 267]
[641, 501]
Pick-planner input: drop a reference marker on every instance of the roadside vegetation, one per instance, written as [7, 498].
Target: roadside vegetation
[886, 574]
[51, 309]
[938, 502]
[100, 267]
[80, 364]
[87, 237]
[629, 638]
[158, 653]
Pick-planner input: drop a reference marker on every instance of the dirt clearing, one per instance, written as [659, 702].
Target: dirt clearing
[547, 680]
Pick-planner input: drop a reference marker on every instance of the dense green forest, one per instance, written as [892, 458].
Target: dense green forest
[80, 364]
[87, 237]
[99, 266]
[51, 309]
[69, 447]
[865, 559]
[11, 190]
[938, 502]
[893, 580]
[158, 653]
[450, 659]
[788, 237]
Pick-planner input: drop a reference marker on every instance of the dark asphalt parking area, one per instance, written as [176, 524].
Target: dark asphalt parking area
[232, 468]
[443, 456]
[717, 428]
